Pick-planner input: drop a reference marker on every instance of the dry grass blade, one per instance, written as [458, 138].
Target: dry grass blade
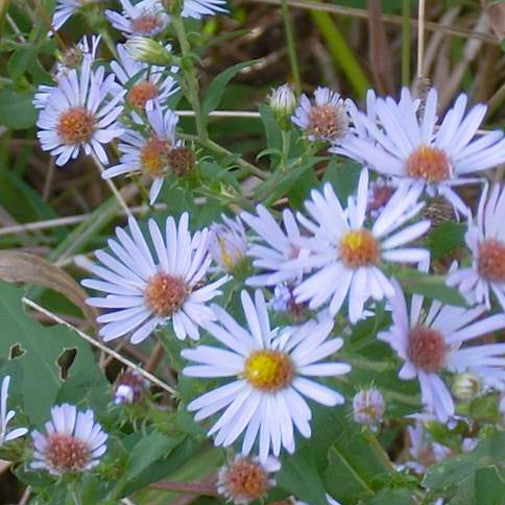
[379, 52]
[16, 266]
[496, 14]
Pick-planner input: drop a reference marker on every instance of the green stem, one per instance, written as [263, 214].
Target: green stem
[290, 40]
[191, 87]
[286, 140]
[72, 487]
[378, 450]
[406, 42]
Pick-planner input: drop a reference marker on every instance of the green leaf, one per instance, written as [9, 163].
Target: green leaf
[217, 87]
[445, 238]
[430, 286]
[16, 109]
[489, 486]
[392, 497]
[37, 373]
[300, 476]
[343, 176]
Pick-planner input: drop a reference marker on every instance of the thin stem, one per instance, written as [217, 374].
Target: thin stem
[99, 345]
[115, 192]
[378, 450]
[290, 40]
[196, 488]
[420, 37]
[191, 87]
[406, 42]
[286, 140]
[72, 487]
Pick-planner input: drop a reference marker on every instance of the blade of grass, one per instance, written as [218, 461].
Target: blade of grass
[290, 41]
[405, 42]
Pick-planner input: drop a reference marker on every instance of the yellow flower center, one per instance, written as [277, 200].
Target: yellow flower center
[269, 370]
[359, 248]
[428, 163]
[76, 125]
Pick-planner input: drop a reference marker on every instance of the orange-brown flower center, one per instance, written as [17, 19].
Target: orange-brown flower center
[429, 163]
[269, 370]
[76, 125]
[140, 93]
[154, 156]
[65, 453]
[359, 248]
[246, 480]
[146, 24]
[491, 263]
[165, 294]
[427, 349]
[328, 122]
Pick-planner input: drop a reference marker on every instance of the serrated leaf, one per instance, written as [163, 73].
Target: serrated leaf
[42, 346]
[217, 87]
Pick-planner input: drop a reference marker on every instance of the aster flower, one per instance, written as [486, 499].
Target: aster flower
[272, 370]
[65, 9]
[368, 407]
[246, 479]
[73, 442]
[147, 17]
[325, 118]
[144, 82]
[150, 153]
[273, 246]
[80, 114]
[74, 58]
[347, 255]
[423, 154]
[7, 415]
[227, 242]
[144, 292]
[197, 9]
[439, 341]
[485, 238]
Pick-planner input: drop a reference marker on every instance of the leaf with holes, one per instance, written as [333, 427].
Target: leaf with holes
[41, 356]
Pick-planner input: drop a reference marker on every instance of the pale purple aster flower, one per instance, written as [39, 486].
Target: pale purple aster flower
[271, 370]
[65, 9]
[143, 82]
[423, 450]
[245, 478]
[147, 18]
[346, 255]
[228, 242]
[73, 442]
[368, 407]
[148, 153]
[435, 158]
[147, 291]
[197, 9]
[485, 237]
[440, 340]
[74, 58]
[323, 118]
[273, 246]
[80, 113]
[6, 416]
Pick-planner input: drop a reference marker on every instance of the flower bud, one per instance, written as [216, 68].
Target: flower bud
[466, 387]
[368, 407]
[282, 101]
[129, 387]
[149, 51]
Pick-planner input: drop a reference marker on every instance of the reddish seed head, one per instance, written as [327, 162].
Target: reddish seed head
[328, 122]
[76, 125]
[65, 453]
[141, 93]
[427, 349]
[146, 24]
[380, 197]
[491, 263]
[359, 248]
[181, 161]
[428, 163]
[154, 156]
[246, 480]
[165, 294]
